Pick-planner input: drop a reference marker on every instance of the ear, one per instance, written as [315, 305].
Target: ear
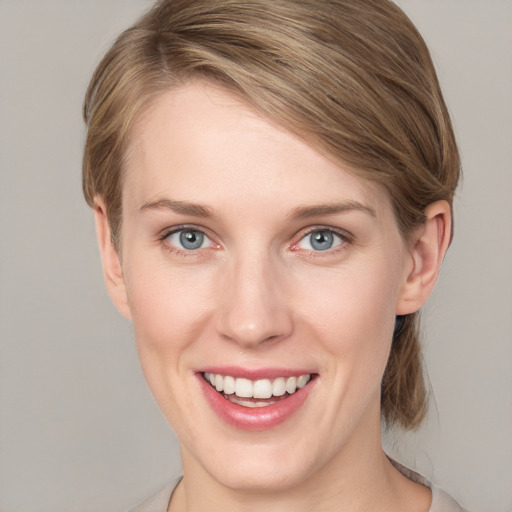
[112, 269]
[427, 248]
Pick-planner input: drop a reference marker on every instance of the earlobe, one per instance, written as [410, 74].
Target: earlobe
[112, 268]
[428, 246]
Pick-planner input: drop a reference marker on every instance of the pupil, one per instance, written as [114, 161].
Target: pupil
[191, 239]
[322, 240]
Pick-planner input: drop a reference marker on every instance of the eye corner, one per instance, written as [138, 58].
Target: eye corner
[294, 247]
[186, 240]
[329, 241]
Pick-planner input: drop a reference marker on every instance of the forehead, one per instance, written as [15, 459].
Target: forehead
[201, 142]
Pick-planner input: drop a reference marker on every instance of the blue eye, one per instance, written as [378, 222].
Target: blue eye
[320, 240]
[188, 239]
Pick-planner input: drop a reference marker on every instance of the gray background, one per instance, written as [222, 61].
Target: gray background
[79, 431]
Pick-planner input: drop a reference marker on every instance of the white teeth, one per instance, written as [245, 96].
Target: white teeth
[262, 388]
[219, 383]
[247, 403]
[229, 385]
[243, 388]
[291, 385]
[279, 387]
[302, 381]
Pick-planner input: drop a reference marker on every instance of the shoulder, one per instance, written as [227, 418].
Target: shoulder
[159, 502]
[441, 501]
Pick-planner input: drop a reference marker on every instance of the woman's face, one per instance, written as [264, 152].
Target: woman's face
[250, 259]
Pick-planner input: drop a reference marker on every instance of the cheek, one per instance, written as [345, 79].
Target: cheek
[169, 309]
[353, 317]
[353, 302]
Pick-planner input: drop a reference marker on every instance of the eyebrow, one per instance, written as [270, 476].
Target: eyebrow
[181, 207]
[299, 213]
[306, 212]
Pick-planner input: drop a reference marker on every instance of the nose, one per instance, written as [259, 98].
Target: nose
[253, 306]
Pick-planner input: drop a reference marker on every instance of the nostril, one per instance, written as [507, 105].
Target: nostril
[253, 310]
[252, 338]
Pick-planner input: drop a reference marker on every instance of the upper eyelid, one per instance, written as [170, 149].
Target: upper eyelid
[346, 239]
[164, 233]
[342, 233]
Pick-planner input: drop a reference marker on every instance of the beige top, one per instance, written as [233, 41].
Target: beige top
[441, 502]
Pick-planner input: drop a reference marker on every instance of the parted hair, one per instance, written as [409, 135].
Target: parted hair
[352, 77]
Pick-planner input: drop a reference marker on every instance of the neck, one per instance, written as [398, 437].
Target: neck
[359, 477]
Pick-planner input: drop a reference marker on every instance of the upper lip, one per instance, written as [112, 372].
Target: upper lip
[255, 373]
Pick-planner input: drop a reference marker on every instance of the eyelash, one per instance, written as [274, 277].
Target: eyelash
[344, 237]
[179, 251]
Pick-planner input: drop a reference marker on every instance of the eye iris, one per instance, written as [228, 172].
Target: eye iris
[191, 239]
[321, 240]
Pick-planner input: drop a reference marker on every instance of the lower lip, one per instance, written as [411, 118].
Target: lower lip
[254, 418]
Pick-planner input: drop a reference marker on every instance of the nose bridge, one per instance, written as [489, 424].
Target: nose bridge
[254, 309]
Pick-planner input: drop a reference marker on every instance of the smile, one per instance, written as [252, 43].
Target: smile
[244, 391]
[257, 403]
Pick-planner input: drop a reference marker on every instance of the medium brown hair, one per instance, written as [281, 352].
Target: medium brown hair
[353, 77]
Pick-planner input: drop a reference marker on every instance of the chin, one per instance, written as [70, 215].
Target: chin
[264, 476]
[265, 463]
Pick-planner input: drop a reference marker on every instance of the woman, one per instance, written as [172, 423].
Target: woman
[272, 184]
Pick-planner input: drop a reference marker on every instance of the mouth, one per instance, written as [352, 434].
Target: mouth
[256, 393]
[256, 404]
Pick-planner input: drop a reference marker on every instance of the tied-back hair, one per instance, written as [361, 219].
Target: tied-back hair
[353, 78]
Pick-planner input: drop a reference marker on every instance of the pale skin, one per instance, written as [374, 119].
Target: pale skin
[257, 294]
